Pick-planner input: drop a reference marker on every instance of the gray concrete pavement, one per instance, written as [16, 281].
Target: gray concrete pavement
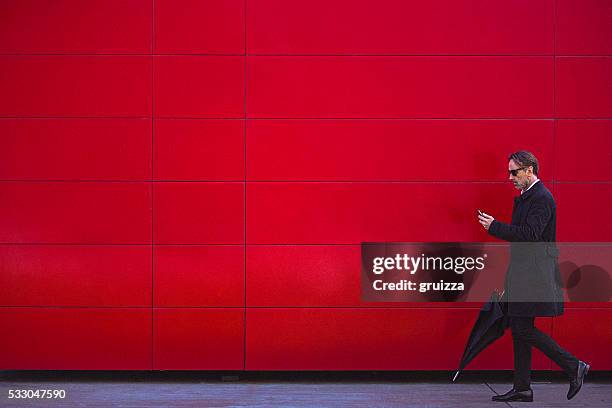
[291, 389]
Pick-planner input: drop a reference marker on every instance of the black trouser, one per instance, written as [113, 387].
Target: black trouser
[525, 335]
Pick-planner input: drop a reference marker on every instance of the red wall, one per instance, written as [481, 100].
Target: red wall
[185, 183]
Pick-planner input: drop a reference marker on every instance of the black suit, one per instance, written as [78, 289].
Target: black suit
[533, 272]
[532, 284]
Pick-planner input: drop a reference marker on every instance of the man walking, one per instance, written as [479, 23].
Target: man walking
[533, 220]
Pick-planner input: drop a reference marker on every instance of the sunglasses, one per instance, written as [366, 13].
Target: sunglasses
[515, 171]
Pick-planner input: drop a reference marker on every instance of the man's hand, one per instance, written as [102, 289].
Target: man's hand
[485, 220]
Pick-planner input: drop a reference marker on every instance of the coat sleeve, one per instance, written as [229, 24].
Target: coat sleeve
[538, 217]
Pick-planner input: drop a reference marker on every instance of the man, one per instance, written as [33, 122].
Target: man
[532, 275]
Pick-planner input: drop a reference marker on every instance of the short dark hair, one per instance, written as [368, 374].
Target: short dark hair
[525, 159]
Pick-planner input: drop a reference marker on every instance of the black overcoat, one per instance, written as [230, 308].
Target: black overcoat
[533, 270]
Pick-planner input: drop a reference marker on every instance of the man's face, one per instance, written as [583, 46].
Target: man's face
[521, 180]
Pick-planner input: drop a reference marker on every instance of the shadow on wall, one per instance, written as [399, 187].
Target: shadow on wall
[586, 283]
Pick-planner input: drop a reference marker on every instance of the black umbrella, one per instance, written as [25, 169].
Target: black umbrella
[490, 326]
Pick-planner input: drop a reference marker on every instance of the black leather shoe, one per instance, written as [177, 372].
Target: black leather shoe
[576, 382]
[514, 395]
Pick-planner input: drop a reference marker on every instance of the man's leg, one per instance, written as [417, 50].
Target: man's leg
[521, 391]
[523, 330]
[522, 352]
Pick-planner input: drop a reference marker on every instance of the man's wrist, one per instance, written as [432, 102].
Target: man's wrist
[491, 227]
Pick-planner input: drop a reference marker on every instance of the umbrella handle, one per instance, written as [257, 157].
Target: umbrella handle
[456, 375]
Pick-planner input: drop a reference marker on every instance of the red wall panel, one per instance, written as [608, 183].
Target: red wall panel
[363, 339]
[303, 275]
[584, 87]
[75, 149]
[583, 212]
[390, 87]
[570, 329]
[313, 276]
[198, 339]
[75, 339]
[194, 275]
[351, 213]
[67, 212]
[392, 150]
[199, 86]
[583, 27]
[75, 275]
[198, 213]
[197, 149]
[196, 26]
[577, 140]
[74, 85]
[75, 26]
[400, 27]
[353, 339]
